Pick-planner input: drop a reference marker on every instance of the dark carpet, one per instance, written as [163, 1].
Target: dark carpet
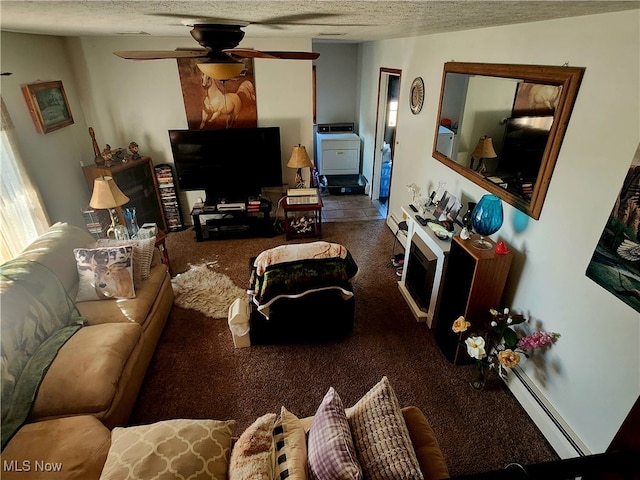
[196, 372]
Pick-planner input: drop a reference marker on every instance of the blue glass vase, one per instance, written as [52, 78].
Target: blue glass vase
[486, 219]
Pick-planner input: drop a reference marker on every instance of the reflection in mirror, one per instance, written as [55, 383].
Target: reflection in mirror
[501, 126]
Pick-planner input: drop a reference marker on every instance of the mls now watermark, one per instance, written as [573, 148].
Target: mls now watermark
[31, 466]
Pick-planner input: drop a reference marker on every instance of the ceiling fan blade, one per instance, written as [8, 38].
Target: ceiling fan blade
[294, 55]
[247, 53]
[160, 54]
[252, 53]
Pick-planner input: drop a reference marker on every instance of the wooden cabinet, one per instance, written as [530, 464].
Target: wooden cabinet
[473, 283]
[137, 180]
[302, 220]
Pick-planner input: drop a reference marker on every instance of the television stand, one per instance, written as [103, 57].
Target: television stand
[210, 221]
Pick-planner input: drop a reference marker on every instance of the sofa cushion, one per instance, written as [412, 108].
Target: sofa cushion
[252, 457]
[330, 446]
[381, 437]
[69, 448]
[54, 250]
[87, 372]
[425, 445]
[105, 273]
[38, 318]
[142, 255]
[290, 446]
[127, 310]
[183, 448]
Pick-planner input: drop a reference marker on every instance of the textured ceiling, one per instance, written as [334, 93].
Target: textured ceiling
[328, 19]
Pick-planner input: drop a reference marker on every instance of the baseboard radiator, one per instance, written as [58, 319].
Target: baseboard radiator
[393, 224]
[560, 436]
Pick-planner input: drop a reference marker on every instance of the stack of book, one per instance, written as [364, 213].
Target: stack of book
[98, 222]
[253, 204]
[527, 189]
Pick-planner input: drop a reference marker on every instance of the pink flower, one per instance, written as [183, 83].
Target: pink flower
[536, 340]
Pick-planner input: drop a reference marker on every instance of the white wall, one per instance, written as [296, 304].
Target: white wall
[336, 82]
[126, 100]
[592, 375]
[53, 159]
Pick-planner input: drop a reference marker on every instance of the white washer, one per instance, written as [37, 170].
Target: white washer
[338, 153]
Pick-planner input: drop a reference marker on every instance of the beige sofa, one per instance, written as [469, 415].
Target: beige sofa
[92, 383]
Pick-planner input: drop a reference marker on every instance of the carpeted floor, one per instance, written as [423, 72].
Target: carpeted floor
[196, 372]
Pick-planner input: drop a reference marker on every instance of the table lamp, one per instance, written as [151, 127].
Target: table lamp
[299, 159]
[107, 195]
[484, 149]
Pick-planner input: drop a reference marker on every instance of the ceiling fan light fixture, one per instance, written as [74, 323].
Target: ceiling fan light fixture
[221, 70]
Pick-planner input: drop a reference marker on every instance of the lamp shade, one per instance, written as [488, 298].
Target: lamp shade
[222, 70]
[299, 158]
[484, 148]
[106, 194]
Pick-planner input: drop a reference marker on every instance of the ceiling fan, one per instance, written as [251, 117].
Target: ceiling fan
[219, 57]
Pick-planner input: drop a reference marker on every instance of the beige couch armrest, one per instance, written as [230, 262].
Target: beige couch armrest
[425, 444]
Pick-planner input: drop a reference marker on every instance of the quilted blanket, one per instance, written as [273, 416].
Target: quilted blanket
[299, 270]
[38, 317]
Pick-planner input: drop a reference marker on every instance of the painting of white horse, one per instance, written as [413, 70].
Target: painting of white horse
[218, 104]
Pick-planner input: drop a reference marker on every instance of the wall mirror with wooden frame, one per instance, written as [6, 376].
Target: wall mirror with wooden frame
[521, 111]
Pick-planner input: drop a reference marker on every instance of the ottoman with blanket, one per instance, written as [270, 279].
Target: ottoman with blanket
[297, 292]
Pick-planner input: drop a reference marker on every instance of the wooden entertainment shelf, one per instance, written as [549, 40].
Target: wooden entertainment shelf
[220, 223]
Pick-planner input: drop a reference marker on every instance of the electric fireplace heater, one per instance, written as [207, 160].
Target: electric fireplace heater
[421, 270]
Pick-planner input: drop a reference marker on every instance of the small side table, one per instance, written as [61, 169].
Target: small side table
[160, 244]
[291, 217]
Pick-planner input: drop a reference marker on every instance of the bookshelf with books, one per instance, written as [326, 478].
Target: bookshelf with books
[169, 197]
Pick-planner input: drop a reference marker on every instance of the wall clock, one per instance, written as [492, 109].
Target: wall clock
[416, 98]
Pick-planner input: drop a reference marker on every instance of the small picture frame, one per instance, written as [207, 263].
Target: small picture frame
[448, 208]
[48, 106]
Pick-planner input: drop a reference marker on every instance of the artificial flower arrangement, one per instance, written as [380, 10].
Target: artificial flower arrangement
[499, 345]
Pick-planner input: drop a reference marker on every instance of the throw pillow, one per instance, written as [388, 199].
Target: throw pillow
[142, 255]
[332, 455]
[290, 447]
[105, 273]
[196, 449]
[381, 436]
[252, 457]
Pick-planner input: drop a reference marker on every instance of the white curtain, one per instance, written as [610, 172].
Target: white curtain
[22, 214]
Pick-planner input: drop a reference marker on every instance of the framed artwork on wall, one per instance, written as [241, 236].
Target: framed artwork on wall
[534, 99]
[615, 264]
[48, 105]
[218, 103]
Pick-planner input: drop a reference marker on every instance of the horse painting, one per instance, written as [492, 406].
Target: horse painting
[220, 104]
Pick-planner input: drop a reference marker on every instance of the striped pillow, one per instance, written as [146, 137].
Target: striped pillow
[291, 447]
[381, 436]
[332, 455]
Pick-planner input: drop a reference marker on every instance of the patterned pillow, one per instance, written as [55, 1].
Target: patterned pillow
[142, 255]
[252, 457]
[105, 273]
[170, 449]
[381, 436]
[331, 452]
[290, 446]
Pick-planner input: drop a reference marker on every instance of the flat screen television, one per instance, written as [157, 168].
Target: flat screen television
[524, 142]
[228, 164]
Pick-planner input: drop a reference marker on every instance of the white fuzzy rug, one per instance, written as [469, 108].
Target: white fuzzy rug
[203, 289]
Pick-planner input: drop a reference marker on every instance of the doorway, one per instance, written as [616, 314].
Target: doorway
[385, 142]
